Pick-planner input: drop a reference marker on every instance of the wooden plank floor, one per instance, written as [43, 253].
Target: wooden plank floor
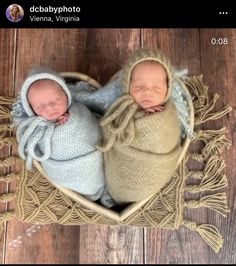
[100, 53]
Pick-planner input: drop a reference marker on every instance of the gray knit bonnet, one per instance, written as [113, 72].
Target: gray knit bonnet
[38, 74]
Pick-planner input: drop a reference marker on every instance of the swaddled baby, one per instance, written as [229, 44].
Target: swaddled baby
[61, 135]
[142, 132]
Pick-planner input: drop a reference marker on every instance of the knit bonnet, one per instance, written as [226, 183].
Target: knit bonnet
[39, 74]
[147, 55]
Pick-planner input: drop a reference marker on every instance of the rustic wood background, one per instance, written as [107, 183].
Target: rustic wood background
[100, 53]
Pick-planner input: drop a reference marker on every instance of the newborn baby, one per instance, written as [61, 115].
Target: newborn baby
[61, 135]
[141, 130]
[48, 100]
[148, 86]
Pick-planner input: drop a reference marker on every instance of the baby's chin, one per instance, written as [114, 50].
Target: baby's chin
[147, 104]
[53, 116]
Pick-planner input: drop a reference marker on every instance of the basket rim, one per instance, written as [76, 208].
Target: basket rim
[81, 77]
[131, 208]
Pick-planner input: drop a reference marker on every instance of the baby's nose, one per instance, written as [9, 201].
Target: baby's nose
[147, 91]
[50, 107]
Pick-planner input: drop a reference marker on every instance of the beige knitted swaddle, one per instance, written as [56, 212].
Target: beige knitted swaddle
[140, 151]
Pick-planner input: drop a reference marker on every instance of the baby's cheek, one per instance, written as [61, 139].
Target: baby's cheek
[135, 94]
[37, 112]
[138, 100]
[64, 107]
[44, 115]
[131, 92]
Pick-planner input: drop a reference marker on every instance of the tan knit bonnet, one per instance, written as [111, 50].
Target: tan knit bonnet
[147, 55]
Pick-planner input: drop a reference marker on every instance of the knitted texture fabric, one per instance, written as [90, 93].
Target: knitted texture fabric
[67, 152]
[37, 201]
[73, 150]
[139, 166]
[99, 100]
[140, 151]
[180, 97]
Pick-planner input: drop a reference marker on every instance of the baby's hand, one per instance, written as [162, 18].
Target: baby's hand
[154, 109]
[62, 119]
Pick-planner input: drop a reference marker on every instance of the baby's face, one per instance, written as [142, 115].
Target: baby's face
[148, 84]
[47, 99]
[14, 8]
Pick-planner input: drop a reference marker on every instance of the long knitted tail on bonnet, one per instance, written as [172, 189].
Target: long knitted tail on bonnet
[29, 133]
[119, 122]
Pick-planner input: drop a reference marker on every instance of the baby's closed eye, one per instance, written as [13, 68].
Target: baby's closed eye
[43, 106]
[58, 99]
[39, 108]
[137, 87]
[157, 88]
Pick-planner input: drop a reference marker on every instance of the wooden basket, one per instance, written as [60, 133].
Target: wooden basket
[130, 209]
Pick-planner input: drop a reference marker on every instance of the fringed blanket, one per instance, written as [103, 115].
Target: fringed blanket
[37, 201]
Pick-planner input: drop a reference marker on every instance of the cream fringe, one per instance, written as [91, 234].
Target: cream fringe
[216, 202]
[9, 177]
[6, 163]
[208, 232]
[211, 177]
[215, 141]
[202, 105]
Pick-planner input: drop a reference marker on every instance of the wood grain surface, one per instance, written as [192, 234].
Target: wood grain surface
[100, 53]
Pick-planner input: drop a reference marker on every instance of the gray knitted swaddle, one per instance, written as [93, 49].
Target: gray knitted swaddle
[67, 152]
[74, 162]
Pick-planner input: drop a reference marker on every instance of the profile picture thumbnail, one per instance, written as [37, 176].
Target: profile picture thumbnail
[14, 13]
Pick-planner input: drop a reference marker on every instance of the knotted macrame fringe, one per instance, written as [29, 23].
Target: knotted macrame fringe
[9, 141]
[202, 106]
[9, 177]
[6, 197]
[4, 112]
[211, 177]
[5, 217]
[5, 100]
[4, 129]
[216, 202]
[6, 163]
[11, 160]
[208, 232]
[215, 141]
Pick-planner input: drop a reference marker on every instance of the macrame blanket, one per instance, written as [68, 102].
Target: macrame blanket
[39, 202]
[141, 152]
[67, 152]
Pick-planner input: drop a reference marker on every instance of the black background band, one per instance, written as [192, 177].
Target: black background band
[118, 14]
